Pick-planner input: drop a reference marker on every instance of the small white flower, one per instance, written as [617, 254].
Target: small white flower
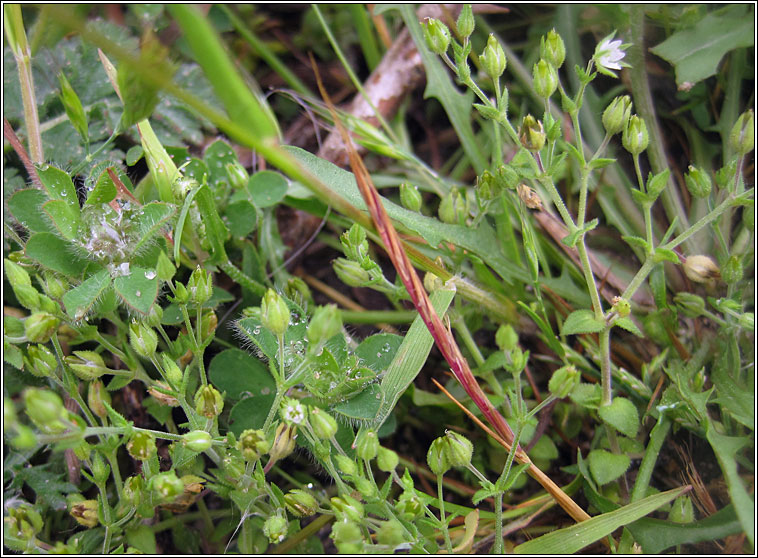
[609, 55]
[293, 411]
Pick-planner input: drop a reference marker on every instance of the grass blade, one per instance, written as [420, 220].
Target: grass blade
[573, 539]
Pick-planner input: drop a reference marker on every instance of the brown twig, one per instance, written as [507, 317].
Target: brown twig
[12, 138]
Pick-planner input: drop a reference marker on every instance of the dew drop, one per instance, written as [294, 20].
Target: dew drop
[138, 293]
[150, 274]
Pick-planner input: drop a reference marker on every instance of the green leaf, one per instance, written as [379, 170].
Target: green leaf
[573, 237]
[656, 184]
[622, 415]
[240, 217]
[641, 198]
[138, 289]
[481, 240]
[47, 485]
[73, 106]
[636, 242]
[410, 357]
[378, 351]
[606, 466]
[52, 252]
[267, 188]
[237, 374]
[104, 190]
[582, 321]
[134, 154]
[549, 336]
[572, 539]
[250, 413]
[142, 538]
[216, 157]
[600, 162]
[735, 399]
[58, 185]
[64, 217]
[657, 535]
[149, 221]
[665, 255]
[26, 207]
[696, 52]
[79, 301]
[488, 112]
[726, 448]
[627, 324]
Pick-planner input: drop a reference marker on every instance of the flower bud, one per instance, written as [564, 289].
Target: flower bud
[252, 444]
[17, 275]
[163, 394]
[284, 441]
[563, 381]
[54, 285]
[408, 506]
[506, 338]
[40, 326]
[437, 35]
[133, 489]
[391, 533]
[100, 469]
[689, 304]
[323, 424]
[197, 440]
[275, 528]
[296, 289]
[200, 286]
[208, 401]
[617, 114]
[237, 174]
[85, 513]
[154, 316]
[410, 197]
[701, 269]
[300, 503]
[28, 297]
[347, 507]
[635, 138]
[10, 419]
[487, 187]
[545, 78]
[621, 306]
[386, 459]
[552, 49]
[732, 271]
[87, 365]
[351, 273]
[167, 485]
[173, 373]
[275, 313]
[681, 510]
[458, 449]
[436, 457]
[208, 323]
[347, 537]
[746, 321]
[47, 304]
[141, 445]
[325, 324]
[365, 487]
[96, 395]
[181, 296]
[452, 209]
[698, 182]
[143, 339]
[21, 524]
[742, 136]
[24, 439]
[465, 23]
[164, 268]
[366, 444]
[45, 409]
[532, 135]
[41, 362]
[345, 464]
[492, 58]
